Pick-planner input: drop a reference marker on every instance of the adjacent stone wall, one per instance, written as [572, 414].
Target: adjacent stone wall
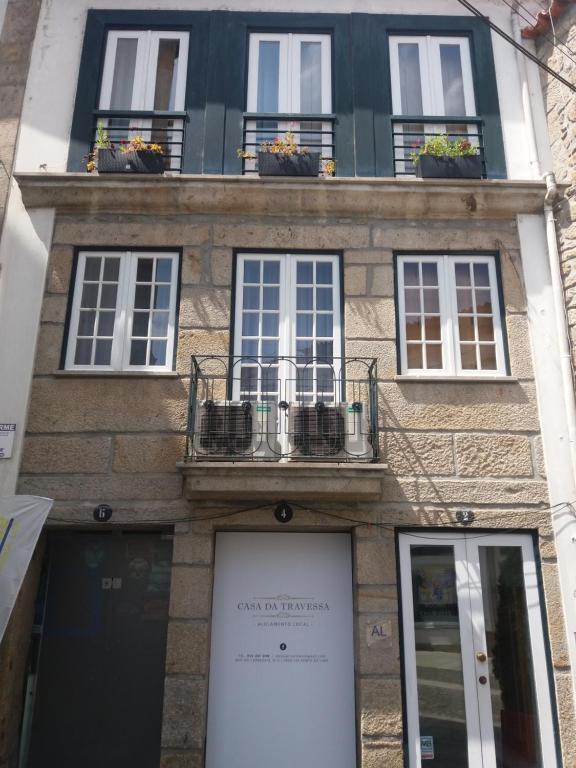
[561, 112]
[16, 37]
[448, 444]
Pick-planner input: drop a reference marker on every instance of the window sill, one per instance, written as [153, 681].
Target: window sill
[457, 379]
[117, 374]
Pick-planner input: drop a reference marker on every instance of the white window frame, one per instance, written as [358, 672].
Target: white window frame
[289, 70]
[478, 707]
[145, 70]
[450, 340]
[431, 73]
[287, 330]
[120, 357]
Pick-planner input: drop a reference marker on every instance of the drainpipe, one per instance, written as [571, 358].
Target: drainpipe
[526, 102]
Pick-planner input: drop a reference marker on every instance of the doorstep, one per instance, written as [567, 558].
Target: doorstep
[290, 480]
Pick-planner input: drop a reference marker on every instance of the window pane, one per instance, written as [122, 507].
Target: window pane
[464, 298]
[161, 297]
[272, 272]
[324, 273]
[411, 276]
[89, 296]
[429, 274]
[483, 302]
[271, 298]
[462, 274]
[304, 324]
[304, 298]
[270, 324]
[324, 380]
[165, 90]
[248, 379]
[324, 298]
[250, 323]
[488, 357]
[159, 324]
[106, 323]
[269, 381]
[251, 271]
[123, 78]
[144, 271]
[324, 325]
[412, 299]
[103, 352]
[108, 296]
[410, 79]
[305, 349]
[268, 76]
[140, 323]
[468, 356]
[269, 349]
[163, 270]
[414, 354]
[92, 269]
[324, 350]
[157, 353]
[250, 347]
[431, 300]
[251, 298]
[432, 329]
[466, 328]
[481, 275]
[305, 273]
[111, 269]
[413, 328]
[138, 353]
[142, 297]
[83, 354]
[86, 323]
[485, 329]
[434, 356]
[311, 78]
[452, 81]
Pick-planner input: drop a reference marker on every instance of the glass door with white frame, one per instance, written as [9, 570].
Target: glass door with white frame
[289, 73]
[146, 71]
[431, 76]
[477, 691]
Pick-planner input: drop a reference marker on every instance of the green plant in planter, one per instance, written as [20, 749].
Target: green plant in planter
[442, 146]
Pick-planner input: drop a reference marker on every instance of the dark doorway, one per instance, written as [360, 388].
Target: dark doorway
[100, 682]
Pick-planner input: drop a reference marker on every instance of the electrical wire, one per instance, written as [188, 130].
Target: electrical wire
[515, 5]
[516, 45]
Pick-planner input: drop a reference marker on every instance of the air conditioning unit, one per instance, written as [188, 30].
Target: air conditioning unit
[233, 430]
[329, 431]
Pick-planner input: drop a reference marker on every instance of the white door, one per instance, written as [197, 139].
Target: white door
[282, 661]
[477, 689]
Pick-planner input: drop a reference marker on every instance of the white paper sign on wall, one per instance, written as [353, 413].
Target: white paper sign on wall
[7, 432]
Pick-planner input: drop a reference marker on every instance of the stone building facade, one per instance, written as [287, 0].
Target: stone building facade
[464, 462]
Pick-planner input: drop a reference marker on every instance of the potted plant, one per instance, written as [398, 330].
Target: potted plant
[133, 156]
[443, 158]
[284, 157]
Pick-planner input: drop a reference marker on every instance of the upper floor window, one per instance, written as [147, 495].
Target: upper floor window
[287, 305]
[123, 311]
[449, 316]
[145, 71]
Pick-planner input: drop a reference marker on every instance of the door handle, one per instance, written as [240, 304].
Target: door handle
[481, 656]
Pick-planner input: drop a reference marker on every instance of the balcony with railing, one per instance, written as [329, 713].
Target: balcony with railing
[409, 133]
[288, 425]
[314, 131]
[168, 129]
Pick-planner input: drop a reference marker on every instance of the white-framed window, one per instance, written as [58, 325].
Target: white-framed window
[449, 316]
[123, 311]
[287, 305]
[145, 70]
[290, 73]
[431, 76]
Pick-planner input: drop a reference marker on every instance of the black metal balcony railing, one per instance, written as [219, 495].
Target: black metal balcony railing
[410, 132]
[266, 409]
[315, 131]
[165, 128]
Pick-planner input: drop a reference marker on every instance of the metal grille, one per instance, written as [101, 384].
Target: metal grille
[317, 430]
[225, 429]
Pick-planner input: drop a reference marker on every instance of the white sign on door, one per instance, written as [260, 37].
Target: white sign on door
[282, 659]
[7, 432]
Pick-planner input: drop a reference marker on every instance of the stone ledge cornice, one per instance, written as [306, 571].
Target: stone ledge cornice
[294, 480]
[383, 198]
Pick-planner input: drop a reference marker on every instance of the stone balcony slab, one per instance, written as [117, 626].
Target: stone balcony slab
[291, 480]
[384, 198]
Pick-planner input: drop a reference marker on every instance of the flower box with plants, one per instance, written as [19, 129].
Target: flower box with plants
[133, 156]
[444, 158]
[284, 157]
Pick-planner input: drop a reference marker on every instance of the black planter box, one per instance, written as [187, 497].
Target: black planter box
[431, 167]
[274, 164]
[142, 161]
